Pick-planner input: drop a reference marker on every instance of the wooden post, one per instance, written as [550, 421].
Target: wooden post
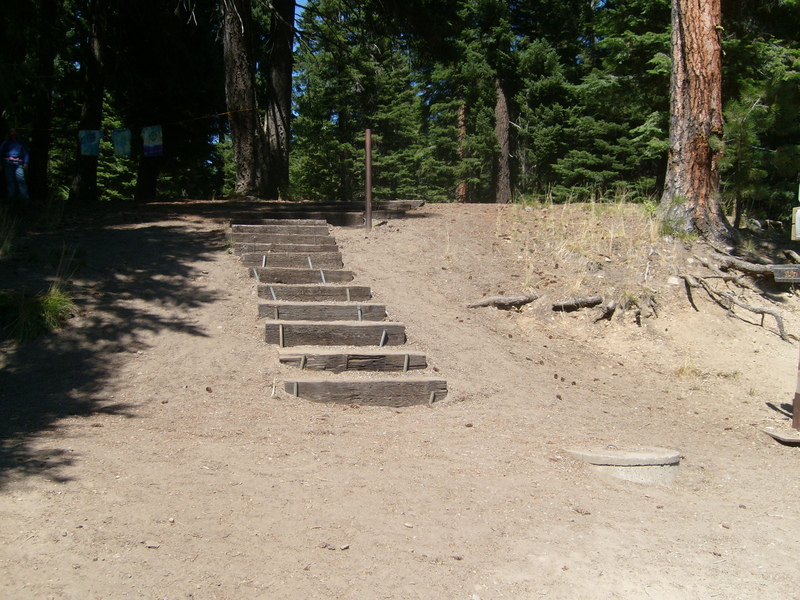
[368, 208]
[796, 403]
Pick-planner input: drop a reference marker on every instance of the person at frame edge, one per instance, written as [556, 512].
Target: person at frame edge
[14, 154]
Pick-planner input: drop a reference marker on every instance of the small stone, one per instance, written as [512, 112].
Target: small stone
[409, 525]
[151, 544]
[345, 547]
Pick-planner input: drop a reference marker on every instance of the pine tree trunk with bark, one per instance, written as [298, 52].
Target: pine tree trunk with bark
[84, 182]
[690, 200]
[278, 113]
[502, 125]
[462, 188]
[246, 133]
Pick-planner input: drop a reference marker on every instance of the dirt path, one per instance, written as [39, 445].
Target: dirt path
[145, 456]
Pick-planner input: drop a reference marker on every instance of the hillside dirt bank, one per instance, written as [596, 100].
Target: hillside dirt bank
[145, 455]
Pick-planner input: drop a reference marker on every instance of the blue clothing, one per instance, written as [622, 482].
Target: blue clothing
[14, 154]
[15, 150]
[15, 179]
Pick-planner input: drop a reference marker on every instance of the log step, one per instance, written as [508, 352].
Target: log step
[315, 293]
[245, 248]
[334, 333]
[312, 260]
[391, 392]
[281, 229]
[282, 275]
[270, 238]
[339, 361]
[320, 311]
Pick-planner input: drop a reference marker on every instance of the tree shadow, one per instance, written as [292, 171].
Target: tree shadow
[129, 278]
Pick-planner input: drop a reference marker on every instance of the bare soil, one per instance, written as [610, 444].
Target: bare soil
[149, 452]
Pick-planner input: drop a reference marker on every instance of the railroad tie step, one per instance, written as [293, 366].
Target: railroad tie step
[295, 260]
[240, 248]
[314, 292]
[339, 360]
[281, 229]
[322, 311]
[279, 238]
[370, 392]
[286, 275]
[334, 333]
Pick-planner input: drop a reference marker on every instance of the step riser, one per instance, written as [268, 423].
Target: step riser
[315, 293]
[317, 260]
[279, 248]
[312, 230]
[322, 312]
[370, 393]
[339, 363]
[334, 334]
[259, 238]
[289, 276]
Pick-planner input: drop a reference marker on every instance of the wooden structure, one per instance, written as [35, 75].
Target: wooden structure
[323, 325]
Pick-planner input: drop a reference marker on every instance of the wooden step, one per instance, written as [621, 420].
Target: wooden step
[312, 260]
[320, 311]
[281, 275]
[244, 248]
[249, 220]
[334, 333]
[315, 293]
[371, 392]
[296, 229]
[270, 238]
[338, 361]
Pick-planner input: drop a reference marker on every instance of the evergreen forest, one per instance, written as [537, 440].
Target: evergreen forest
[467, 100]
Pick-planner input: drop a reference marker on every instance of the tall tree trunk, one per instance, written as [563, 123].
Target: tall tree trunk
[462, 189]
[246, 133]
[84, 182]
[690, 201]
[502, 168]
[42, 101]
[278, 111]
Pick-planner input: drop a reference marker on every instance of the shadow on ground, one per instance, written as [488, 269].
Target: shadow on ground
[129, 279]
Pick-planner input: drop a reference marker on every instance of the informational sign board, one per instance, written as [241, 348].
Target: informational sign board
[795, 223]
[786, 273]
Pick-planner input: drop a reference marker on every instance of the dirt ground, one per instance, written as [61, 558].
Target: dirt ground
[145, 454]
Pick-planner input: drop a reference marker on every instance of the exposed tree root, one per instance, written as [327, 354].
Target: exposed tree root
[505, 302]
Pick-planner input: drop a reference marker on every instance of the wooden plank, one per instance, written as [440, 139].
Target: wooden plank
[315, 293]
[334, 333]
[256, 221]
[311, 260]
[319, 311]
[338, 362]
[243, 248]
[239, 229]
[279, 275]
[270, 238]
[370, 392]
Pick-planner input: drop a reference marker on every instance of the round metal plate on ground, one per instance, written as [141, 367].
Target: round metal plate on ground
[642, 465]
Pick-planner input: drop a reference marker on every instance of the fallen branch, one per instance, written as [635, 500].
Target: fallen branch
[576, 303]
[505, 302]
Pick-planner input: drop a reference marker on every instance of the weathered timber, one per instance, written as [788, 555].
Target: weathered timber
[337, 216]
[274, 238]
[239, 229]
[312, 260]
[318, 311]
[244, 248]
[334, 333]
[577, 303]
[338, 362]
[279, 275]
[370, 392]
[315, 293]
[505, 302]
[249, 220]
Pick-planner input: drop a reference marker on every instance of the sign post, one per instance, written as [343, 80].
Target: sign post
[368, 208]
